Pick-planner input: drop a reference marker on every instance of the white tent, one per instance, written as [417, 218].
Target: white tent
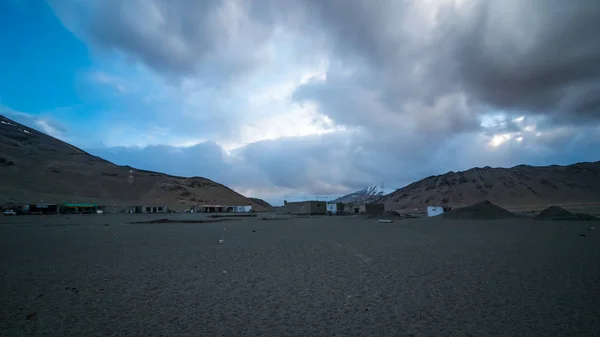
[434, 210]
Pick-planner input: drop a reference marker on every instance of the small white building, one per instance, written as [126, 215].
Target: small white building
[244, 209]
[239, 209]
[434, 210]
[332, 208]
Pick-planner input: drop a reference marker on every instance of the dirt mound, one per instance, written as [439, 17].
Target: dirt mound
[553, 213]
[558, 213]
[484, 210]
[390, 215]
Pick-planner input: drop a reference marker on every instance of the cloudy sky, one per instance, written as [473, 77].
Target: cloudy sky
[300, 98]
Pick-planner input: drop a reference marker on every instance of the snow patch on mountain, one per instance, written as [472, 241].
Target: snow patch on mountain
[378, 190]
[368, 194]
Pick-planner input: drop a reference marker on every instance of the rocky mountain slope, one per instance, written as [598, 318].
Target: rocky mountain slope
[35, 167]
[518, 186]
[368, 194]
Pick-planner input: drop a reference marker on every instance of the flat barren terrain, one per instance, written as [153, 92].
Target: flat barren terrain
[331, 276]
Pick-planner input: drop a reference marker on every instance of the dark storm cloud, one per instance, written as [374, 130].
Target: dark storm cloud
[349, 103]
[539, 56]
[213, 38]
[542, 56]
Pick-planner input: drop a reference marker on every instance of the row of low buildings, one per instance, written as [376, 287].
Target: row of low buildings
[193, 209]
[148, 209]
[322, 207]
[79, 208]
[51, 208]
[221, 209]
[90, 208]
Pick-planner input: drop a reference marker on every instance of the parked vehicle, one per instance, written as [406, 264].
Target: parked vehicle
[10, 212]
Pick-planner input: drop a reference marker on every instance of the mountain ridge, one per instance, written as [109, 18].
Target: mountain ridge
[524, 185]
[36, 167]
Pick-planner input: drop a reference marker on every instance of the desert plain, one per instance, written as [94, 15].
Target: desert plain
[101, 275]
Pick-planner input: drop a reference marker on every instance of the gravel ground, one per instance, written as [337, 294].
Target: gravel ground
[330, 276]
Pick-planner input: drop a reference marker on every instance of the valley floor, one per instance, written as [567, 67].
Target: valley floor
[346, 276]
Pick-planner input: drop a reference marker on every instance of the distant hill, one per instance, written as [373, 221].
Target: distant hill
[36, 167]
[368, 194]
[521, 185]
[267, 207]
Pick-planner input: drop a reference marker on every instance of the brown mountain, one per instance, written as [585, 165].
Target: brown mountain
[518, 186]
[36, 167]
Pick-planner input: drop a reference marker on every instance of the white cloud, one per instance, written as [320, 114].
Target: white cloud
[113, 81]
[47, 128]
[189, 111]
[43, 122]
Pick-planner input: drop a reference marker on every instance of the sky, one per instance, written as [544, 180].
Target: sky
[301, 98]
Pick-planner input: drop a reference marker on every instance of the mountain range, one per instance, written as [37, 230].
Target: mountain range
[519, 186]
[35, 167]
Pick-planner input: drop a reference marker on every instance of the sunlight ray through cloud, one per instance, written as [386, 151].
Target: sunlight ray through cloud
[500, 139]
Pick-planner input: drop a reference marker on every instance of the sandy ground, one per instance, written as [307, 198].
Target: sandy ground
[329, 276]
